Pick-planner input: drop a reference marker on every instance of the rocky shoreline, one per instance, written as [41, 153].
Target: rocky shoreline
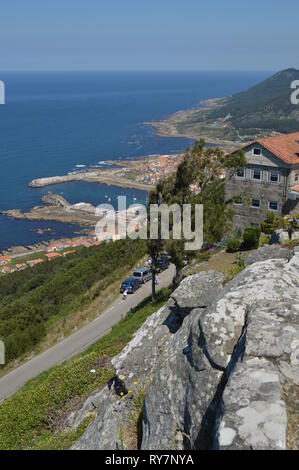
[94, 175]
[57, 208]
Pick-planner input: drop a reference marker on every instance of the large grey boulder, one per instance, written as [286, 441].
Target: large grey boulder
[198, 290]
[104, 432]
[192, 402]
[267, 252]
[255, 416]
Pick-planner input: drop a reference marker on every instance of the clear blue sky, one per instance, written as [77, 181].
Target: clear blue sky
[149, 34]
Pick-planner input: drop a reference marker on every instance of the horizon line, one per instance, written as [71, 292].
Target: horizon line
[139, 70]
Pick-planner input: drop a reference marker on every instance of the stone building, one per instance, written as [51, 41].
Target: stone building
[269, 181]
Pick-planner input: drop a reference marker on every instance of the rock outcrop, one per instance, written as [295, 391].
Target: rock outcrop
[281, 237]
[220, 366]
[268, 252]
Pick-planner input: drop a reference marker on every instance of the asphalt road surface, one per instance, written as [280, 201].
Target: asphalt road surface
[79, 341]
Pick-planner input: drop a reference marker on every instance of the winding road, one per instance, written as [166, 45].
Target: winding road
[79, 341]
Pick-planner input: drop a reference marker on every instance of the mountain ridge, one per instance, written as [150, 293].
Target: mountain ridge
[260, 111]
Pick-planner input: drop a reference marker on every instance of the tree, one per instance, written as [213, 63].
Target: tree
[206, 168]
[154, 246]
[179, 193]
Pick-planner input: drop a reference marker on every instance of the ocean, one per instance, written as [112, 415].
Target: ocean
[56, 122]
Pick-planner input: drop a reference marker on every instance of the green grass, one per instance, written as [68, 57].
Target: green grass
[291, 244]
[133, 428]
[233, 272]
[31, 419]
[60, 440]
[24, 259]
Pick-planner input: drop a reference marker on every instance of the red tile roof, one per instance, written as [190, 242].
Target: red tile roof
[66, 253]
[6, 259]
[52, 255]
[285, 147]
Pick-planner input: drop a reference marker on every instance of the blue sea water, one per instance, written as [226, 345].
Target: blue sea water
[52, 122]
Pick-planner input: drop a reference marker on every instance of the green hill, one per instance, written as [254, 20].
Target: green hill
[258, 111]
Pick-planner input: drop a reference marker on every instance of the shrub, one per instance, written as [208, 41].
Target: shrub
[268, 226]
[251, 238]
[273, 223]
[233, 245]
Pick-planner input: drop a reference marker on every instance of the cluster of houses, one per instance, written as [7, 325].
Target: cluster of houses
[158, 169]
[5, 268]
[55, 250]
[87, 242]
[4, 261]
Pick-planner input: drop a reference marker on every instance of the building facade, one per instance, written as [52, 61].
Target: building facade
[268, 182]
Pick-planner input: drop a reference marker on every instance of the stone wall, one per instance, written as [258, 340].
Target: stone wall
[244, 214]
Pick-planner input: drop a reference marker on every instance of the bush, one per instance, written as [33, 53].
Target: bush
[251, 238]
[233, 245]
[273, 223]
[268, 226]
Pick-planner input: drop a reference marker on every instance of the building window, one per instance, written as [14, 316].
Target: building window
[241, 173]
[256, 203]
[273, 206]
[274, 176]
[257, 152]
[257, 174]
[297, 177]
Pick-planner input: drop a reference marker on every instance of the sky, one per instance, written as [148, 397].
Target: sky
[149, 34]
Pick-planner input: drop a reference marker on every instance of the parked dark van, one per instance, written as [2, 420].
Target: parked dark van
[162, 263]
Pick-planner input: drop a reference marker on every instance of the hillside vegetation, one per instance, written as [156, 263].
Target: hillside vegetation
[258, 111]
[266, 106]
[34, 418]
[31, 300]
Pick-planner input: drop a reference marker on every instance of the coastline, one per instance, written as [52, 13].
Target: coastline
[55, 208]
[191, 123]
[138, 173]
[90, 176]
[141, 173]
